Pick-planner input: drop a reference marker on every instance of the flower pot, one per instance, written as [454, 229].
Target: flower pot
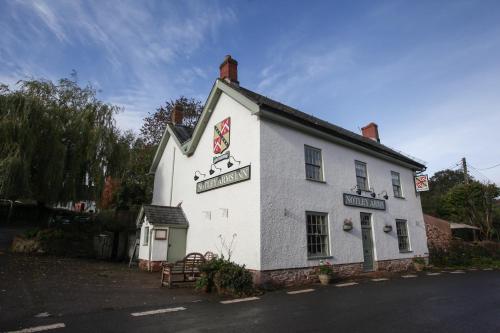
[418, 267]
[347, 227]
[325, 278]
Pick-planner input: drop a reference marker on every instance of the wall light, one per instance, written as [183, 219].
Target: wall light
[386, 196]
[230, 164]
[196, 173]
[212, 171]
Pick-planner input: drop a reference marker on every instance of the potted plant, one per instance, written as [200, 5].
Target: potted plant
[418, 264]
[347, 225]
[325, 272]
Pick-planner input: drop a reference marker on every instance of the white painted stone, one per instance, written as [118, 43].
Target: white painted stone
[457, 272]
[380, 279]
[409, 276]
[267, 213]
[433, 274]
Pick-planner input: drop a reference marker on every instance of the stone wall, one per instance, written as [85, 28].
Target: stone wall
[398, 265]
[438, 232]
[155, 265]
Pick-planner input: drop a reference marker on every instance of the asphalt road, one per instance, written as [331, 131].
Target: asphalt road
[463, 302]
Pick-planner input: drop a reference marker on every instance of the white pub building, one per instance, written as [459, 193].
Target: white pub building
[281, 190]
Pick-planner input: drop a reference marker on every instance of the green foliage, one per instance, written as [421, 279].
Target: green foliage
[325, 268]
[473, 204]
[31, 233]
[419, 260]
[55, 141]
[228, 277]
[440, 183]
[464, 254]
[154, 125]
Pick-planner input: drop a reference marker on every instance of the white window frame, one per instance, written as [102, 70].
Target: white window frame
[407, 236]
[325, 232]
[401, 195]
[356, 163]
[145, 237]
[320, 166]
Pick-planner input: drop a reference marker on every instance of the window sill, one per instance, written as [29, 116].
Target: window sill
[316, 181]
[406, 251]
[400, 198]
[319, 257]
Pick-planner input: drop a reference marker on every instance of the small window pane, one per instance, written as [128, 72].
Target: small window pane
[317, 235]
[313, 163]
[361, 176]
[402, 232]
[396, 184]
[146, 236]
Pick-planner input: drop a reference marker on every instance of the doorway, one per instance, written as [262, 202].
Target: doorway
[366, 236]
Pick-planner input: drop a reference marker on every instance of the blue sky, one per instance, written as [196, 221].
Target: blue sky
[428, 72]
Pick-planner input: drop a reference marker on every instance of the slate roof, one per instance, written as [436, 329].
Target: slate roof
[321, 125]
[183, 133]
[158, 215]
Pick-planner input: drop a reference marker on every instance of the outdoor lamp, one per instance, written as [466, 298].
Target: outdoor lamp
[358, 191]
[212, 171]
[373, 194]
[230, 164]
[196, 173]
[386, 196]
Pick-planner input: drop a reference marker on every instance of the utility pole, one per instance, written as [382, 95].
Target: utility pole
[464, 167]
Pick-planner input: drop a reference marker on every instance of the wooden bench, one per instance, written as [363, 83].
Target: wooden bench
[185, 270]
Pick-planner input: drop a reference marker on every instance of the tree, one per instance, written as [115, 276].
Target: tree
[155, 124]
[473, 204]
[440, 183]
[56, 140]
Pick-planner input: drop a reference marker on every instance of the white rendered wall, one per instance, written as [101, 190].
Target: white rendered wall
[205, 211]
[144, 249]
[286, 195]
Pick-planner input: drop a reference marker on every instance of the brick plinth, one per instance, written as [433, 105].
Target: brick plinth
[397, 265]
[155, 265]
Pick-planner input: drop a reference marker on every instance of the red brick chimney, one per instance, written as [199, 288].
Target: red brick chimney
[370, 131]
[177, 114]
[229, 70]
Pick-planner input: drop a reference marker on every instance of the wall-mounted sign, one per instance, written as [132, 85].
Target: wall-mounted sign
[422, 183]
[221, 157]
[364, 202]
[228, 178]
[221, 135]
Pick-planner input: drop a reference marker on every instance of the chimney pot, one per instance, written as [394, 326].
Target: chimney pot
[177, 114]
[370, 131]
[229, 70]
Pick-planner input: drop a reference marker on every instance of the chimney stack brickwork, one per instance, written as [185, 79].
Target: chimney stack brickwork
[177, 114]
[229, 70]
[370, 131]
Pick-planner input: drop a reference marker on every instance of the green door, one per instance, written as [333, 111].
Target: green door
[366, 235]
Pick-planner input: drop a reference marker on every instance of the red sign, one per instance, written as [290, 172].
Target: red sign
[221, 135]
[422, 183]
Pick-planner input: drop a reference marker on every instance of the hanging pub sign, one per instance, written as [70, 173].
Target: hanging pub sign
[364, 202]
[221, 135]
[228, 178]
[422, 183]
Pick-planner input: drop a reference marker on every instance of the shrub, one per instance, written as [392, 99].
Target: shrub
[325, 268]
[228, 277]
[461, 254]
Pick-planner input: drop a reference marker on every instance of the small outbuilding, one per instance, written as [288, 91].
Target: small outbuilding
[158, 226]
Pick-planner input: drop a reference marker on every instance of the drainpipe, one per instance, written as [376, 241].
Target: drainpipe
[150, 243]
[172, 178]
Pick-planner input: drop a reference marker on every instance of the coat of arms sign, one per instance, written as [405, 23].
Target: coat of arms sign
[221, 135]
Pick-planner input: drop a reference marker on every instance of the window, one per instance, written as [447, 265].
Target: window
[317, 235]
[396, 184]
[145, 238]
[161, 234]
[402, 230]
[361, 176]
[313, 163]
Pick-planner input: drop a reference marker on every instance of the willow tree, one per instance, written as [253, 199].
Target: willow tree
[56, 140]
